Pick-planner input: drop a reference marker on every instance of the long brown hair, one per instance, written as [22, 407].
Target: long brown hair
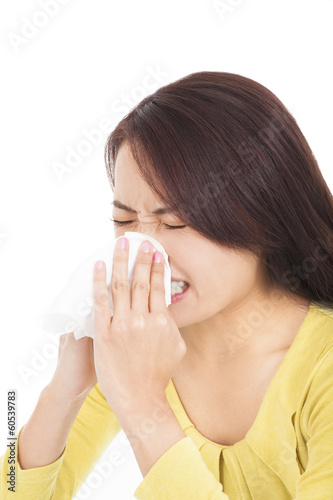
[226, 156]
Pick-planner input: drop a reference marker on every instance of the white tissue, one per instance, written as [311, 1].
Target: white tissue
[73, 308]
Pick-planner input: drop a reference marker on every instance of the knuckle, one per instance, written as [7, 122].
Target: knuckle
[157, 287]
[158, 270]
[182, 347]
[119, 258]
[120, 325]
[139, 322]
[145, 260]
[100, 297]
[119, 285]
[161, 319]
[142, 286]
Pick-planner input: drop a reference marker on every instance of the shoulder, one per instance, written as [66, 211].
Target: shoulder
[318, 402]
[321, 322]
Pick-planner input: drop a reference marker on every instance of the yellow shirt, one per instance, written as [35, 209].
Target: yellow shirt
[286, 454]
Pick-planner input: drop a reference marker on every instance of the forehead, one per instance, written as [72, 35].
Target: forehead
[130, 189]
[125, 163]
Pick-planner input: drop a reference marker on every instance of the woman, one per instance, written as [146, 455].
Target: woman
[228, 392]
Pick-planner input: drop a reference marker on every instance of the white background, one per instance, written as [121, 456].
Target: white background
[88, 63]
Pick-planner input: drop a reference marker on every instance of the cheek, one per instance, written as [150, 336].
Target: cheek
[119, 231]
[221, 276]
[234, 278]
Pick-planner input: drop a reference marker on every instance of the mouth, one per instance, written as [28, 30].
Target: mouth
[178, 286]
[179, 294]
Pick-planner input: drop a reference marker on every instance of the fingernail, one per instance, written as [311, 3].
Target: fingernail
[99, 264]
[122, 242]
[146, 246]
[157, 257]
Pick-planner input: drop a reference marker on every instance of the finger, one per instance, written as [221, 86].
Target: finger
[101, 301]
[157, 290]
[119, 285]
[141, 278]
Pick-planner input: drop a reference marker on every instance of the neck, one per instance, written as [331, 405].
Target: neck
[260, 324]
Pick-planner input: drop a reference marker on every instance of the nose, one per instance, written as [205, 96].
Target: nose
[151, 229]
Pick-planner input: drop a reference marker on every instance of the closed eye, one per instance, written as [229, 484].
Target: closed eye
[125, 223]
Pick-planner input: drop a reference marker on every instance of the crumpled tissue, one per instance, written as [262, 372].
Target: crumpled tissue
[73, 308]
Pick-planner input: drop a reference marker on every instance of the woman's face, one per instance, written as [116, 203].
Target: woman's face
[219, 278]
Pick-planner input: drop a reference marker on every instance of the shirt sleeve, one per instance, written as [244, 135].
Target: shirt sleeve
[94, 428]
[316, 482]
[178, 474]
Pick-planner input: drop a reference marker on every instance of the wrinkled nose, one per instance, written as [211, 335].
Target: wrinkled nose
[152, 231]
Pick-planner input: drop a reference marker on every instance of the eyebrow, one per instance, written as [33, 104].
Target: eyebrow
[120, 205]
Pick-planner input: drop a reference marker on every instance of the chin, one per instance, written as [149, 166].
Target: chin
[180, 317]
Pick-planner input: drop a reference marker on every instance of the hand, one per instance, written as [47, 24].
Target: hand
[75, 374]
[138, 348]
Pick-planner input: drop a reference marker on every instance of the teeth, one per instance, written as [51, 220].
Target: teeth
[177, 287]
